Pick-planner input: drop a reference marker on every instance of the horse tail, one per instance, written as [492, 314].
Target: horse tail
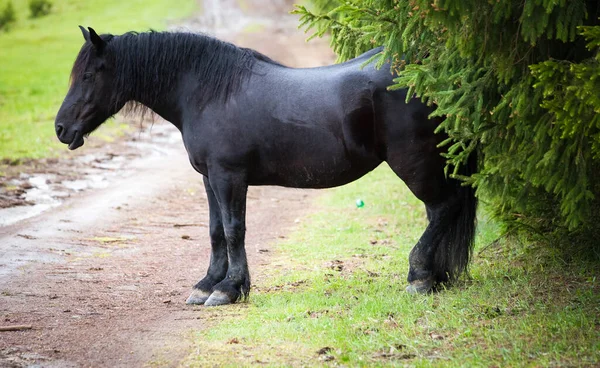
[454, 251]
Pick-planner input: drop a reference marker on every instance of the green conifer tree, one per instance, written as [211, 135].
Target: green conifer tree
[517, 80]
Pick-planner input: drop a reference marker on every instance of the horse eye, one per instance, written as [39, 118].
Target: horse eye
[87, 76]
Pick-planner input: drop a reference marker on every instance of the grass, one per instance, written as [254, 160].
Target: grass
[37, 56]
[334, 295]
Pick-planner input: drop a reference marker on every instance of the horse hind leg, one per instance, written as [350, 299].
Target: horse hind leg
[456, 247]
[427, 259]
[443, 251]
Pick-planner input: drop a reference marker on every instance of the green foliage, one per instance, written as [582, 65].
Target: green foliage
[516, 80]
[323, 6]
[7, 17]
[39, 8]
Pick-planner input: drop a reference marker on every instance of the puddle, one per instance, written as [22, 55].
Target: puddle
[9, 216]
[92, 181]
[39, 192]
[42, 191]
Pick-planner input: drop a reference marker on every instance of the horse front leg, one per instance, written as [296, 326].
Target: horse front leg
[217, 268]
[230, 191]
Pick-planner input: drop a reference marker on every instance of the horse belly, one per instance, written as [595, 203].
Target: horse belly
[316, 162]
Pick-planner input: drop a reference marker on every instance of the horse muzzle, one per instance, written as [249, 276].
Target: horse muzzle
[72, 137]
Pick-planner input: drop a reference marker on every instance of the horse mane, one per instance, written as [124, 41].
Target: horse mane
[149, 63]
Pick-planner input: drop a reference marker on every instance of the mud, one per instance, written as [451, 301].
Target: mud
[99, 249]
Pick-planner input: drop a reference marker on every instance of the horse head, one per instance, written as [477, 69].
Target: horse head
[90, 100]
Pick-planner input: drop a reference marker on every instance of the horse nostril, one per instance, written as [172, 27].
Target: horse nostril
[59, 129]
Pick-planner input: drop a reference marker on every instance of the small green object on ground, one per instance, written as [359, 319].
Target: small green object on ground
[360, 203]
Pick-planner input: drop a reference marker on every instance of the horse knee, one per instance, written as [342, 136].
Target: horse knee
[234, 231]
[217, 234]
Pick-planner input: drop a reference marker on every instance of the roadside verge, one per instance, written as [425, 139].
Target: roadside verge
[334, 294]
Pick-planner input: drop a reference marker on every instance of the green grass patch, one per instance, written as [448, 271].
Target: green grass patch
[334, 294]
[37, 56]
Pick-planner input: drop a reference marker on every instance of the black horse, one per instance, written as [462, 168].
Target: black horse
[247, 120]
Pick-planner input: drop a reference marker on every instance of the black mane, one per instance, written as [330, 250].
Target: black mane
[150, 62]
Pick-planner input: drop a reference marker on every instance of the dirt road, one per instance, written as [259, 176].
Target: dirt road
[102, 276]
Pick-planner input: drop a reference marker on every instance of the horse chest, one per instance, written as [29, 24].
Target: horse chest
[197, 158]
[199, 165]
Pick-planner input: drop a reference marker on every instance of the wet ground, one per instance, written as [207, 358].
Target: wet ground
[99, 249]
[35, 186]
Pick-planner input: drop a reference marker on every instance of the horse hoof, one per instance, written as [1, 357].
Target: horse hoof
[420, 286]
[217, 298]
[197, 297]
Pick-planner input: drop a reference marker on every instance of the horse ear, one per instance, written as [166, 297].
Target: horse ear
[86, 34]
[98, 42]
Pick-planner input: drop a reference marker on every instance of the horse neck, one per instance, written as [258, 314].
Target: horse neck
[172, 72]
[166, 107]
[162, 100]
[153, 85]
